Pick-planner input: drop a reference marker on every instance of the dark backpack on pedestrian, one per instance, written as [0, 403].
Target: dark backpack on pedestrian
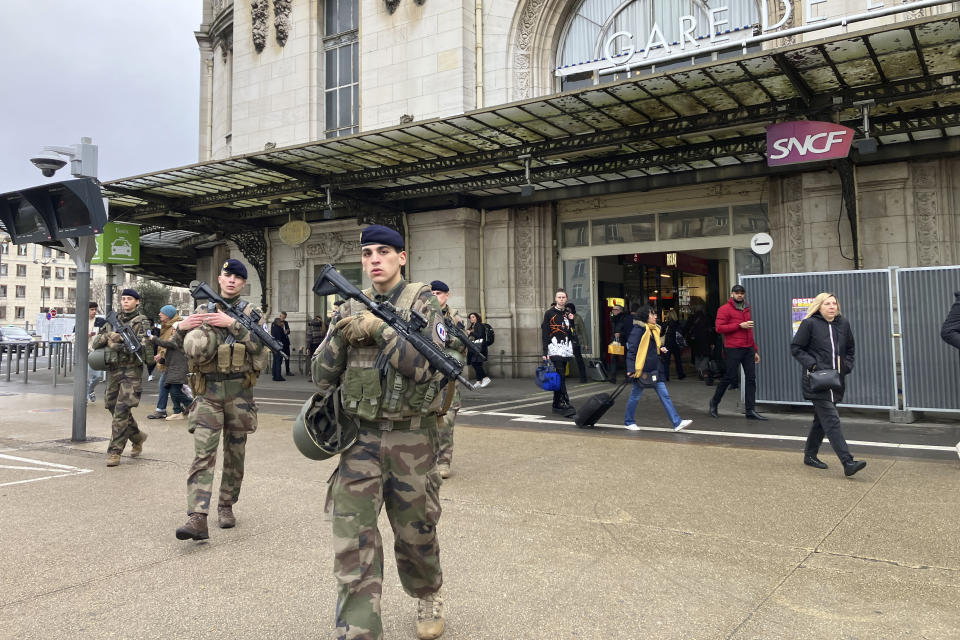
[491, 336]
[595, 406]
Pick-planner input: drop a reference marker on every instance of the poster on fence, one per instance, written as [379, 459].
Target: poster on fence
[799, 312]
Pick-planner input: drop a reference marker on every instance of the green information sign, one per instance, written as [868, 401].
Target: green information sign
[118, 244]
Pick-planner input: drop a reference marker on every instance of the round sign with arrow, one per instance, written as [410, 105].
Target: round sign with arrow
[761, 243]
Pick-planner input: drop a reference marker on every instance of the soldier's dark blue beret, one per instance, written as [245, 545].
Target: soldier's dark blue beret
[130, 292]
[437, 285]
[235, 267]
[379, 234]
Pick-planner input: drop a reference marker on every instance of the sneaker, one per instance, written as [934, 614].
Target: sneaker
[157, 415]
[113, 459]
[485, 382]
[175, 416]
[92, 397]
[631, 427]
[683, 425]
[430, 617]
[150, 378]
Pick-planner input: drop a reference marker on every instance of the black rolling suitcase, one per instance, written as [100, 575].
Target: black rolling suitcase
[594, 408]
[597, 371]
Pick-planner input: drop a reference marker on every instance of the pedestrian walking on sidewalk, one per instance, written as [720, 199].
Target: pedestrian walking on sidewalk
[557, 336]
[172, 362]
[278, 334]
[225, 360]
[456, 349]
[580, 338]
[391, 392]
[645, 367]
[479, 333]
[125, 376]
[736, 327]
[824, 341]
[950, 331]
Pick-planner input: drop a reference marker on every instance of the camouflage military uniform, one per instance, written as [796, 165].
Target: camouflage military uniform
[457, 349]
[226, 363]
[124, 379]
[393, 462]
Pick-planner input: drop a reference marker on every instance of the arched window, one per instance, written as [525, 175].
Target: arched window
[595, 21]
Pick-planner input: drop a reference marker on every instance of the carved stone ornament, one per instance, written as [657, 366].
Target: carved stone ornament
[332, 247]
[259, 10]
[281, 20]
[392, 5]
[792, 194]
[926, 208]
[523, 80]
[225, 44]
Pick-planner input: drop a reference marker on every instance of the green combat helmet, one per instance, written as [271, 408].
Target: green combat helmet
[321, 430]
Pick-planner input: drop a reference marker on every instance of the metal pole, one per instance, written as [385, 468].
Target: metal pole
[26, 366]
[86, 247]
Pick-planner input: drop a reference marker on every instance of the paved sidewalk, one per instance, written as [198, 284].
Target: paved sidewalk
[545, 535]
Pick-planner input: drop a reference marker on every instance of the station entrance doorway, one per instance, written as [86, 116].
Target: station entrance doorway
[678, 282]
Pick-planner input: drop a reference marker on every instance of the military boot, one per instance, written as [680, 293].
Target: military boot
[137, 441]
[430, 622]
[195, 529]
[113, 459]
[444, 469]
[225, 516]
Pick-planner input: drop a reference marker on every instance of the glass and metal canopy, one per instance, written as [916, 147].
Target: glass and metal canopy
[698, 123]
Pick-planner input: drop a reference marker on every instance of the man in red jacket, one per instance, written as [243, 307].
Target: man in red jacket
[736, 327]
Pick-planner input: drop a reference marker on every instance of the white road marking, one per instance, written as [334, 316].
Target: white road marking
[62, 470]
[721, 434]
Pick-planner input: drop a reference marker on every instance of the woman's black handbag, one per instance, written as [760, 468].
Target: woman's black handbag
[825, 380]
[648, 379]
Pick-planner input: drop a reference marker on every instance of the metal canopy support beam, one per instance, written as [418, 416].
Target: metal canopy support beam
[799, 85]
[848, 188]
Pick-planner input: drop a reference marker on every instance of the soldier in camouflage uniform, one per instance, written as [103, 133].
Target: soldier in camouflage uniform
[226, 361]
[388, 388]
[457, 349]
[125, 376]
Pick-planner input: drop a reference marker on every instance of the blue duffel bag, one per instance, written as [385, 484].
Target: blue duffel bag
[547, 377]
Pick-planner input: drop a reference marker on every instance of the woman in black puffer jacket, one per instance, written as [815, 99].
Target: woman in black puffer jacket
[824, 340]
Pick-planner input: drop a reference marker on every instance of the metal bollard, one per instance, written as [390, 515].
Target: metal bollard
[48, 351]
[9, 361]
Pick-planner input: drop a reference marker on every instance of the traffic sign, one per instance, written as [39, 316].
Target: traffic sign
[761, 243]
[53, 313]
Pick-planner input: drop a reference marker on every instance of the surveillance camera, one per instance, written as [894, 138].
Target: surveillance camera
[48, 163]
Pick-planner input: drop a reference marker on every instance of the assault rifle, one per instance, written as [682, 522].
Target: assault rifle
[130, 341]
[330, 281]
[456, 328]
[202, 291]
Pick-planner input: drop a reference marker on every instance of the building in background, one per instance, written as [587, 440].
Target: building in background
[615, 148]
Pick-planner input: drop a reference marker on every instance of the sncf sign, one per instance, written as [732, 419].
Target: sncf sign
[806, 141]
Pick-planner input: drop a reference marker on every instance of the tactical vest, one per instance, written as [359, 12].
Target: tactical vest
[376, 392]
[124, 358]
[218, 353]
[458, 355]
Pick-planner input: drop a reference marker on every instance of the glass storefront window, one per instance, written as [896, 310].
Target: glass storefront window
[750, 264]
[618, 230]
[750, 218]
[575, 234]
[576, 281]
[695, 224]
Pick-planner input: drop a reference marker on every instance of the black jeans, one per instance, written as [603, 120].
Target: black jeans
[826, 421]
[560, 398]
[675, 353]
[286, 352]
[478, 370]
[277, 366]
[739, 357]
[578, 355]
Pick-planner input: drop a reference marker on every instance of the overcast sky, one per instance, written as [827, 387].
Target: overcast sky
[123, 72]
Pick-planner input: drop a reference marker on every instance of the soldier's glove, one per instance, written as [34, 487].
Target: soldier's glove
[114, 337]
[362, 330]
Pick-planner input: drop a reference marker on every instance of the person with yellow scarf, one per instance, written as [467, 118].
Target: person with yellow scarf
[644, 347]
